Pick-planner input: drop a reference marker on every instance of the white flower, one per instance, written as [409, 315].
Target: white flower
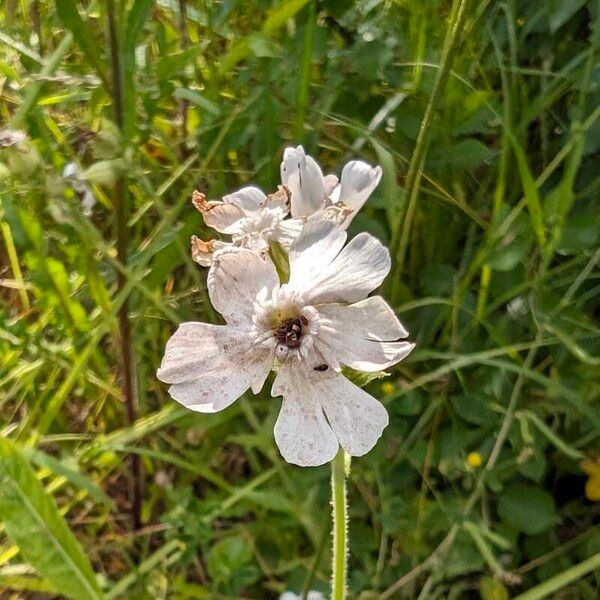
[250, 217]
[319, 320]
[313, 195]
[254, 219]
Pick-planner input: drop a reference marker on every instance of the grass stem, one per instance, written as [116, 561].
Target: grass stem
[121, 206]
[399, 243]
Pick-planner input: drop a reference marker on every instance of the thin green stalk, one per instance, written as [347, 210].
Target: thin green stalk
[457, 21]
[340, 526]
[548, 587]
[121, 206]
[304, 85]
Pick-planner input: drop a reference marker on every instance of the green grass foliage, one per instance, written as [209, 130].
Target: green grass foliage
[484, 115]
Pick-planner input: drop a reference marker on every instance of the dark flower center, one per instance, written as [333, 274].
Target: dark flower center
[290, 331]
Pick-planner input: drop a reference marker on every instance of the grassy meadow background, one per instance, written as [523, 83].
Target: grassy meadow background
[484, 115]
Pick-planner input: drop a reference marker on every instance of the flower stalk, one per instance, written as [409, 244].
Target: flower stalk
[340, 466]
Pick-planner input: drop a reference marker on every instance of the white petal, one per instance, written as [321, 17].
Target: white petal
[362, 335]
[203, 252]
[371, 319]
[280, 200]
[357, 183]
[302, 175]
[330, 183]
[302, 433]
[314, 250]
[287, 231]
[248, 199]
[211, 393]
[197, 348]
[235, 278]
[361, 354]
[223, 217]
[355, 272]
[210, 366]
[334, 195]
[357, 419]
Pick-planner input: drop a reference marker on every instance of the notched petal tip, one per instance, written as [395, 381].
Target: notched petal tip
[199, 201]
[202, 252]
[281, 198]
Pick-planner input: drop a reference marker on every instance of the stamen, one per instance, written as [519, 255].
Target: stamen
[290, 332]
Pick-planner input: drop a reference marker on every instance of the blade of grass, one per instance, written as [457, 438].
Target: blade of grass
[399, 242]
[548, 587]
[83, 35]
[121, 202]
[33, 522]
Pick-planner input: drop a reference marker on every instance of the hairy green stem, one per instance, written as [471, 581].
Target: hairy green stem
[340, 526]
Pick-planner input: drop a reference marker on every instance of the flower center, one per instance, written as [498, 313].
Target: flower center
[289, 331]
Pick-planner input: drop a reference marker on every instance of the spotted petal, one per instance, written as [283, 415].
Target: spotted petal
[320, 409]
[248, 199]
[302, 433]
[349, 276]
[363, 335]
[234, 280]
[210, 366]
[223, 217]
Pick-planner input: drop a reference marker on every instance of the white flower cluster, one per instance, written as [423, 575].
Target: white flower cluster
[307, 327]
[253, 219]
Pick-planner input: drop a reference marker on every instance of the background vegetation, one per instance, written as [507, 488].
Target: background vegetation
[484, 116]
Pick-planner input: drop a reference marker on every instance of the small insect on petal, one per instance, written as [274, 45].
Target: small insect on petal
[322, 367]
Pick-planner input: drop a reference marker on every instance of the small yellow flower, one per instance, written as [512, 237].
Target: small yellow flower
[387, 387]
[592, 485]
[474, 460]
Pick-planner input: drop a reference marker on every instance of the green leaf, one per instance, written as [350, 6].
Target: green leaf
[139, 13]
[559, 12]
[230, 562]
[473, 408]
[280, 260]
[393, 194]
[197, 99]
[277, 18]
[34, 524]
[83, 34]
[360, 378]
[527, 508]
[58, 467]
[466, 154]
[530, 192]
